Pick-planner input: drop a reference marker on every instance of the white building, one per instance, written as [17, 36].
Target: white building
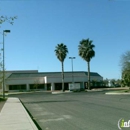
[32, 79]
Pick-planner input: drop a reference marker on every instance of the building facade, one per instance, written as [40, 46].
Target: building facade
[47, 81]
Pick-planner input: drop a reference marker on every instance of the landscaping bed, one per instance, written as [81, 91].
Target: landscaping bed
[2, 102]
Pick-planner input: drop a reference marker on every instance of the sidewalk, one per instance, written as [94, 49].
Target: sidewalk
[13, 116]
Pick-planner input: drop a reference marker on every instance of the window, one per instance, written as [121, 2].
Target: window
[17, 87]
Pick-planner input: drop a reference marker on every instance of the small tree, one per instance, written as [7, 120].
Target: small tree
[36, 83]
[9, 20]
[105, 82]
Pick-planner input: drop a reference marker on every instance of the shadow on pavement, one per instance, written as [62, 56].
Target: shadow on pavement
[49, 101]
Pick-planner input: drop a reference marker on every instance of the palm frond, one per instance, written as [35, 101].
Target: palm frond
[61, 51]
[86, 49]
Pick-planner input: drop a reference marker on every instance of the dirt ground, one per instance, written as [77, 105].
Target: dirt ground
[1, 105]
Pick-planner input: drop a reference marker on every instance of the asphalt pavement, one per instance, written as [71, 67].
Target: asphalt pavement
[77, 111]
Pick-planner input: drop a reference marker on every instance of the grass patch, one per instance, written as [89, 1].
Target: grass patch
[120, 91]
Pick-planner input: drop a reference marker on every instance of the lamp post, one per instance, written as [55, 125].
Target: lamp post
[72, 68]
[4, 31]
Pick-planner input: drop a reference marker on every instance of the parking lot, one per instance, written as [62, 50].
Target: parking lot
[77, 111]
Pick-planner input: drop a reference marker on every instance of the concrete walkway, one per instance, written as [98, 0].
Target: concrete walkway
[13, 116]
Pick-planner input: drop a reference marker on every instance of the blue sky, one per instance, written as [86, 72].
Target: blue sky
[42, 24]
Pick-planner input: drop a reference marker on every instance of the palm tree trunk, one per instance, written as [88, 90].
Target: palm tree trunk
[62, 76]
[89, 87]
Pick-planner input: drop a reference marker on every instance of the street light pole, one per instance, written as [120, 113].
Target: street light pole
[72, 68]
[4, 31]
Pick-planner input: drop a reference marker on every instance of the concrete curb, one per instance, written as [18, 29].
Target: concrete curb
[117, 93]
[93, 90]
[15, 93]
[60, 92]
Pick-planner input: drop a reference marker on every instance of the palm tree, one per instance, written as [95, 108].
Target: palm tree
[61, 53]
[87, 53]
